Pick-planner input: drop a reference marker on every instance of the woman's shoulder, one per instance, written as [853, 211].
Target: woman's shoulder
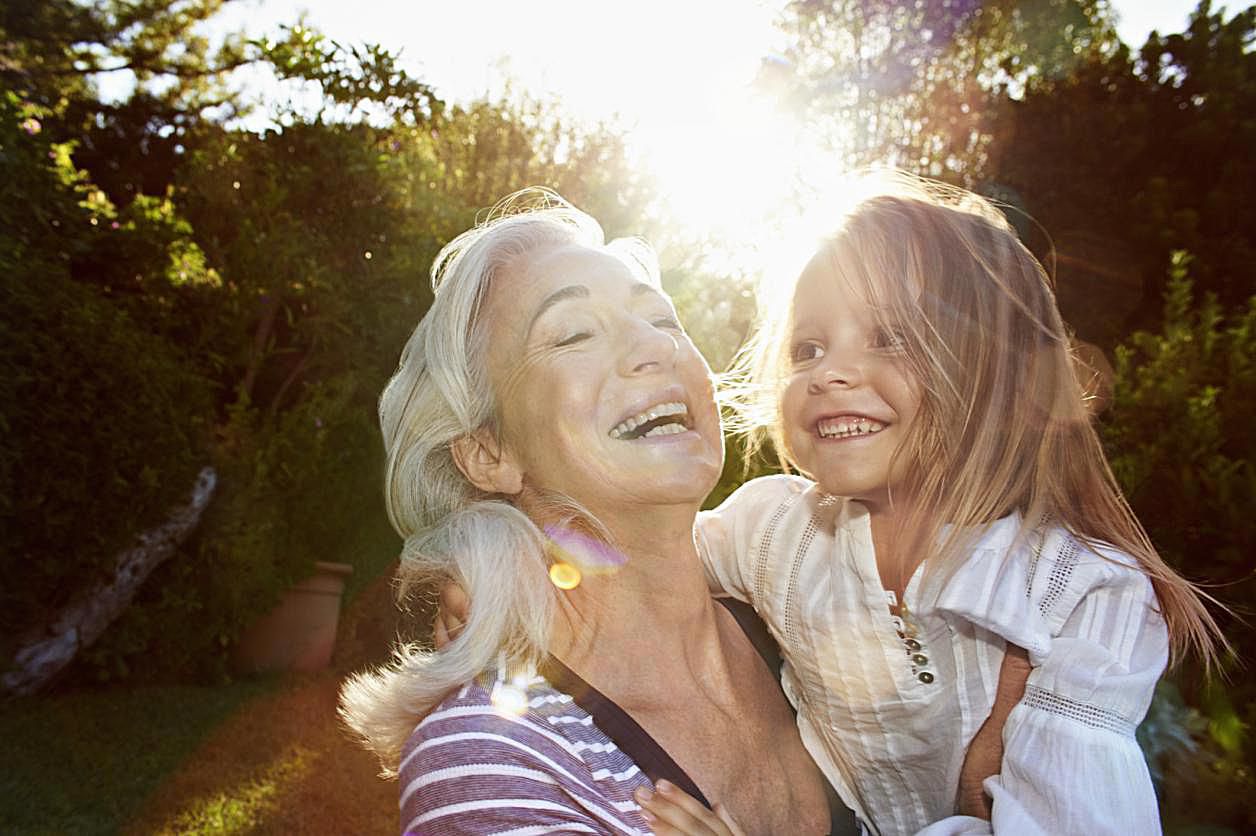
[502, 753]
[515, 720]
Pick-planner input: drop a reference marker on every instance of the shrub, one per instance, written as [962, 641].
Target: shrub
[292, 491]
[1181, 436]
[104, 425]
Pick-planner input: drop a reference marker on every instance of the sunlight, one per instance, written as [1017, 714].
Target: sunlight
[829, 194]
[241, 809]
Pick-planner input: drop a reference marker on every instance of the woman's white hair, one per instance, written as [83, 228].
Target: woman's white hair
[453, 532]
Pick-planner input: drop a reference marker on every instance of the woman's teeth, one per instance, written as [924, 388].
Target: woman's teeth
[663, 419]
[845, 427]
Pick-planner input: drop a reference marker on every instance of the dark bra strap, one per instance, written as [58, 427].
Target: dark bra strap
[618, 725]
[646, 753]
[842, 820]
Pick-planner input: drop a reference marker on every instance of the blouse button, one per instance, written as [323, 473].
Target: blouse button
[920, 659]
[913, 645]
[925, 677]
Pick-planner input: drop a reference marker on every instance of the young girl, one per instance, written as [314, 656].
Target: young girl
[958, 502]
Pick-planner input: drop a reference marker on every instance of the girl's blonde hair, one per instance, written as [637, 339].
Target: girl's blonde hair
[452, 531]
[1002, 425]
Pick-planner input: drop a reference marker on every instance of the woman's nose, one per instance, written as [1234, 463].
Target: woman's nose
[648, 348]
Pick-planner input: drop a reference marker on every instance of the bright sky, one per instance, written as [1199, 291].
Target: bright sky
[675, 74]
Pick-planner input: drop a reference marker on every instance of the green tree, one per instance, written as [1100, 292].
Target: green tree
[914, 84]
[1130, 157]
[104, 422]
[1181, 437]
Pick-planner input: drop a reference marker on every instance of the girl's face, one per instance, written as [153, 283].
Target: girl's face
[602, 396]
[848, 398]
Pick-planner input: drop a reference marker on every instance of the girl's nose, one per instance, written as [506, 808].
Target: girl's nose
[834, 373]
[649, 348]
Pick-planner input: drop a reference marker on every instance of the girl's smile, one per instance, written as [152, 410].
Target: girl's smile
[848, 427]
[848, 399]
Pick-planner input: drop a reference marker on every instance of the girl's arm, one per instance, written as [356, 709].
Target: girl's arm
[726, 536]
[985, 752]
[672, 812]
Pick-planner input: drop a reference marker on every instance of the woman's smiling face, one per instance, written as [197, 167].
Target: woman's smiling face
[601, 395]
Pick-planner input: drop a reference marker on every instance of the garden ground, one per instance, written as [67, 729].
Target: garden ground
[256, 756]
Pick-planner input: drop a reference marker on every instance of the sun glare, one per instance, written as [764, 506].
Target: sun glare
[731, 168]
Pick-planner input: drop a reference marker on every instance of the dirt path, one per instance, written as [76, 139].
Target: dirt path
[283, 764]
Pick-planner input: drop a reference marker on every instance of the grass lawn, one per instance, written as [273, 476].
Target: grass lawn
[254, 756]
[85, 762]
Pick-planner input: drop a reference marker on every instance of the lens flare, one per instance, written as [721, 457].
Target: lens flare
[564, 575]
[509, 699]
[581, 552]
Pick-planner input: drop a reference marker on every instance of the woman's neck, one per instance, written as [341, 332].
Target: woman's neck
[653, 609]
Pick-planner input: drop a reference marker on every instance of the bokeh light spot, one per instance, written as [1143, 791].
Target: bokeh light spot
[509, 699]
[564, 575]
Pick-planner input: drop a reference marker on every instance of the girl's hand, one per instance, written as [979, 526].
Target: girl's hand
[451, 614]
[985, 753]
[672, 812]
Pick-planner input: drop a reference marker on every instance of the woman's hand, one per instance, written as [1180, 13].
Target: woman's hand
[451, 614]
[985, 753]
[672, 812]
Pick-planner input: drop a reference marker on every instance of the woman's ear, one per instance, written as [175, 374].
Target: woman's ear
[480, 457]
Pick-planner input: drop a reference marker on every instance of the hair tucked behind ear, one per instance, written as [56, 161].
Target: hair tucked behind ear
[453, 531]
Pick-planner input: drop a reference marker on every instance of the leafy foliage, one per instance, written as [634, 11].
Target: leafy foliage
[914, 84]
[102, 421]
[1132, 156]
[1181, 437]
[1182, 434]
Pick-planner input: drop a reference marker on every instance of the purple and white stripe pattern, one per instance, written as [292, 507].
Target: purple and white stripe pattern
[476, 767]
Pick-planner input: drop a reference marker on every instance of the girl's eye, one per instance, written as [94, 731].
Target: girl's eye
[805, 352]
[578, 337]
[889, 341]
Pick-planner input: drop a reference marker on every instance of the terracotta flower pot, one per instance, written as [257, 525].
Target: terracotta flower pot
[300, 632]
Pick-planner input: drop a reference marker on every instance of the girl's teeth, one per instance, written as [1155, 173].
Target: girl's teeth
[846, 428]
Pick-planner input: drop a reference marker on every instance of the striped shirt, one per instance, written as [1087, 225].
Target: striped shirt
[519, 758]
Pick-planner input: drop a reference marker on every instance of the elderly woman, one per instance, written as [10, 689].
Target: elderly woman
[551, 434]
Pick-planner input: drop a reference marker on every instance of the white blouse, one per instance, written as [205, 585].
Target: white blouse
[888, 712]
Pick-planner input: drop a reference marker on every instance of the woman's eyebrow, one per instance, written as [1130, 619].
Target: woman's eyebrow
[571, 291]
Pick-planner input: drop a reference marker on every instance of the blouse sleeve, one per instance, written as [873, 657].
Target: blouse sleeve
[726, 536]
[1071, 763]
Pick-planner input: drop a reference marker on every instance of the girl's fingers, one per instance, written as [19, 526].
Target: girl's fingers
[727, 818]
[440, 633]
[451, 614]
[454, 601]
[672, 812]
